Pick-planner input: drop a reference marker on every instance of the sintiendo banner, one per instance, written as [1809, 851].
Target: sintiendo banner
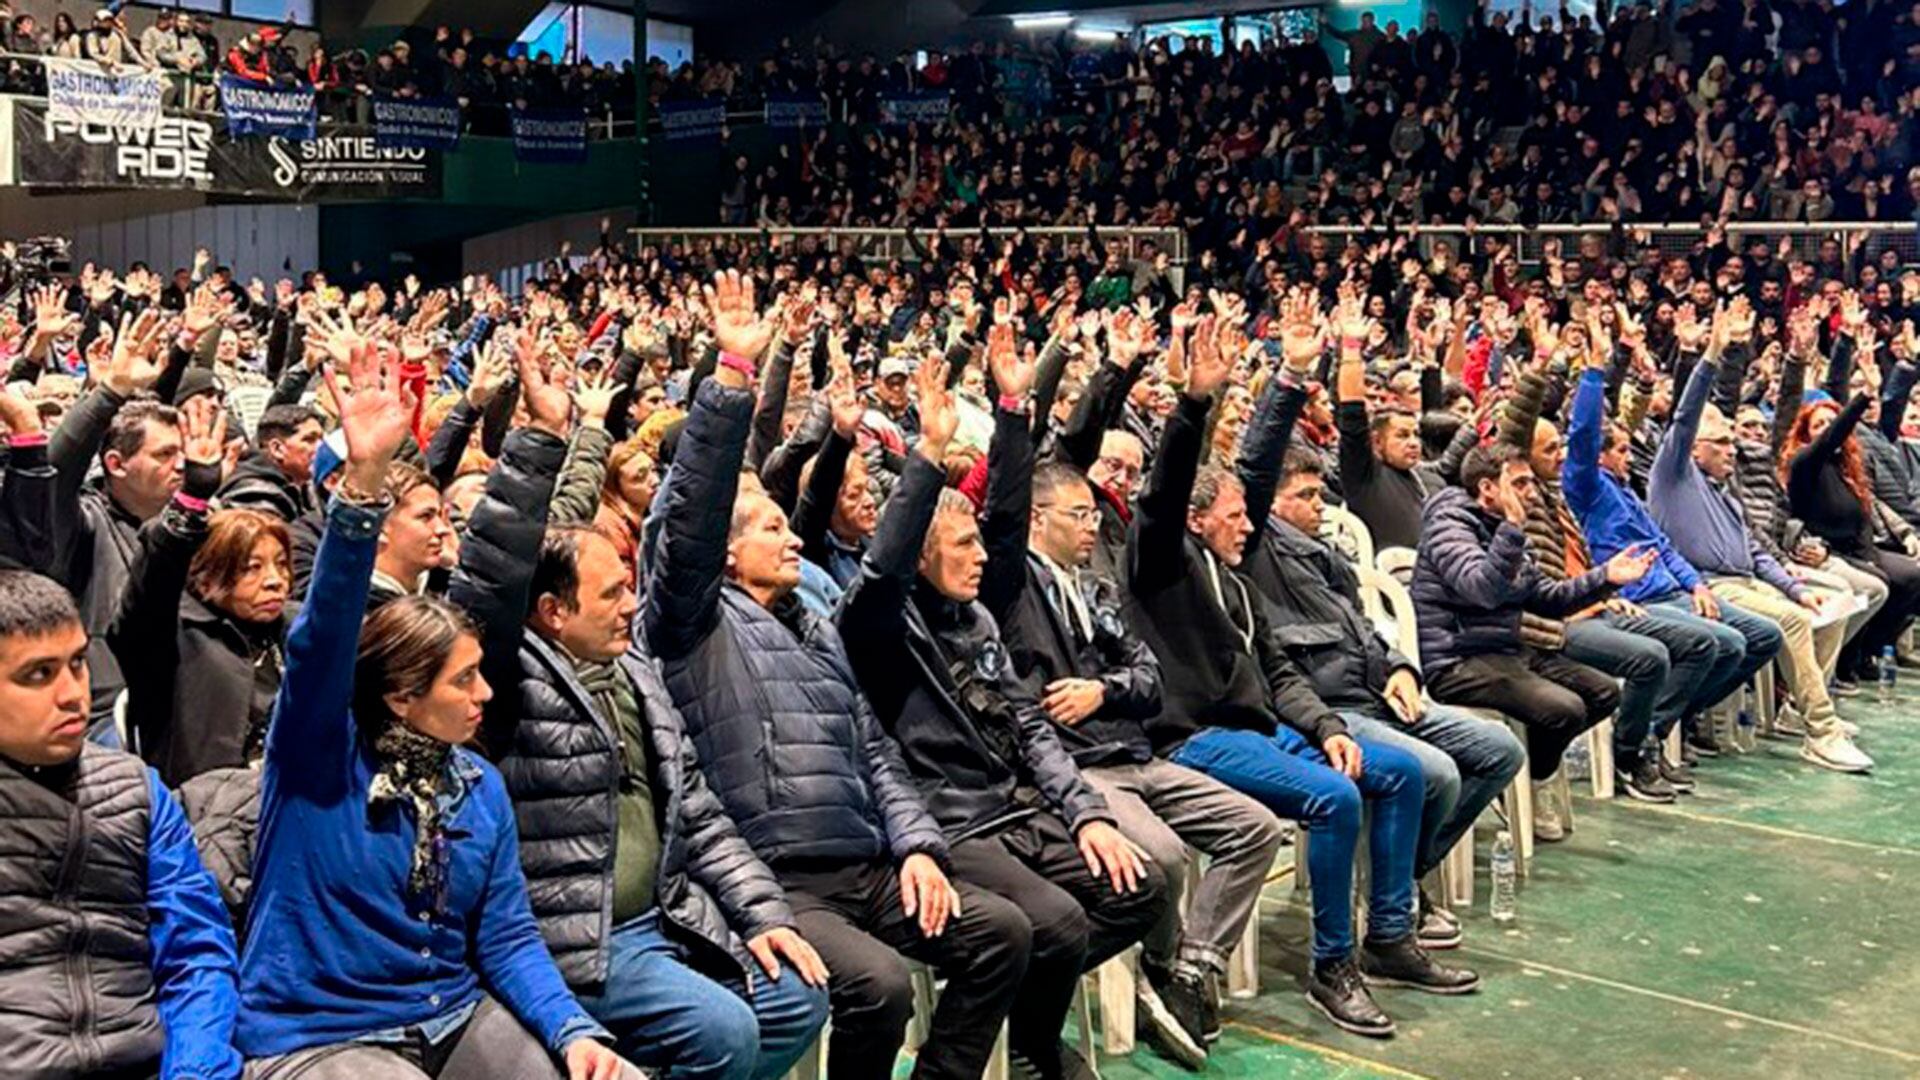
[195, 153]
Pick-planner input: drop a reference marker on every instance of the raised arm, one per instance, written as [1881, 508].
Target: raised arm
[33, 533]
[695, 505]
[1159, 530]
[1580, 473]
[1009, 477]
[310, 741]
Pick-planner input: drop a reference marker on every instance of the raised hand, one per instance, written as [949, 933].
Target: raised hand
[1012, 370]
[738, 327]
[51, 319]
[137, 361]
[798, 318]
[1208, 365]
[203, 431]
[545, 395]
[376, 412]
[17, 414]
[1688, 330]
[938, 417]
[1300, 331]
[843, 400]
[594, 392]
[490, 375]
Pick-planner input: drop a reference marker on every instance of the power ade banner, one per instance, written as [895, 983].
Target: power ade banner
[796, 110]
[82, 91]
[428, 123]
[922, 107]
[252, 109]
[692, 119]
[192, 153]
[549, 136]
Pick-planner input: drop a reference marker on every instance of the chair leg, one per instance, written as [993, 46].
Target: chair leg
[998, 1067]
[1458, 875]
[1600, 753]
[1519, 800]
[812, 1064]
[1115, 981]
[921, 1025]
[1563, 792]
[1243, 967]
[1083, 1017]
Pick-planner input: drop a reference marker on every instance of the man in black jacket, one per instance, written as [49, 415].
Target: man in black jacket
[1021, 819]
[1101, 685]
[659, 915]
[789, 743]
[1239, 710]
[277, 477]
[1465, 762]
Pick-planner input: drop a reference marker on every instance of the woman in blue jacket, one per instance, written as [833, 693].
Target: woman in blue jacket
[389, 934]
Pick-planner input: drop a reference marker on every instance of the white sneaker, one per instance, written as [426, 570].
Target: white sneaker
[1787, 721]
[1836, 752]
[1547, 825]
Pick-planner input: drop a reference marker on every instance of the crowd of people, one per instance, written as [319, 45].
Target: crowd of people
[644, 668]
[485, 76]
[1795, 110]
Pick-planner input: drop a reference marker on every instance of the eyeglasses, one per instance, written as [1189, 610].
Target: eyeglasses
[1079, 515]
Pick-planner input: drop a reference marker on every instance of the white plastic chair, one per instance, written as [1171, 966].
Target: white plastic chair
[1348, 535]
[1397, 562]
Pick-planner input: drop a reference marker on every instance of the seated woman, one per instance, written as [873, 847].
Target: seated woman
[389, 935]
[200, 625]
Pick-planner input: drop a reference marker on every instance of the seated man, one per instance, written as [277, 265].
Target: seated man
[1593, 479]
[1100, 686]
[659, 916]
[1019, 817]
[1465, 762]
[1473, 580]
[1237, 709]
[1686, 492]
[1660, 662]
[791, 747]
[143, 982]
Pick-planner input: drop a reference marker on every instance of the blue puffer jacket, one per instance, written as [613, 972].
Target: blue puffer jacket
[784, 735]
[1474, 577]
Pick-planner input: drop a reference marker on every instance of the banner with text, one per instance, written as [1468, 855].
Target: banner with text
[692, 119]
[196, 153]
[252, 109]
[82, 91]
[918, 107]
[549, 136]
[796, 110]
[426, 123]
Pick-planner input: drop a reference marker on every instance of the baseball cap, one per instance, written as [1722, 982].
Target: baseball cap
[895, 365]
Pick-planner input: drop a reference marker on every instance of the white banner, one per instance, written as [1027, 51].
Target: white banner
[83, 92]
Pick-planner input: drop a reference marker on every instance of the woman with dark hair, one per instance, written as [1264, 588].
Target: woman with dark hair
[199, 628]
[389, 935]
[1827, 488]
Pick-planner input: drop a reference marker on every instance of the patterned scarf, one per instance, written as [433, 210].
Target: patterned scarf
[415, 767]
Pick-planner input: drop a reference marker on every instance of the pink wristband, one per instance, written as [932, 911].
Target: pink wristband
[738, 363]
[188, 502]
[29, 438]
[1012, 404]
[1351, 343]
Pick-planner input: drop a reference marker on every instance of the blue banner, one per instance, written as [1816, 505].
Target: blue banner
[692, 119]
[919, 107]
[252, 109]
[796, 110]
[549, 136]
[426, 123]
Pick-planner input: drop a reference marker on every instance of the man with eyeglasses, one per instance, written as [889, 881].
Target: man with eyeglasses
[1687, 494]
[1062, 630]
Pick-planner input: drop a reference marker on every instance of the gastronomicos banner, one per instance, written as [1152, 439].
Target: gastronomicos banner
[82, 90]
[196, 153]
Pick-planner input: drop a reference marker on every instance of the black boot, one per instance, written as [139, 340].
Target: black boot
[1405, 963]
[1336, 989]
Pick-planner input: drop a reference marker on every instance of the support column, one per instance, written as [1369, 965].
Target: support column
[643, 150]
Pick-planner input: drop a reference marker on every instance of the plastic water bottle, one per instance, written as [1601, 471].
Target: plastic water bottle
[1505, 877]
[1578, 760]
[1889, 668]
[1745, 731]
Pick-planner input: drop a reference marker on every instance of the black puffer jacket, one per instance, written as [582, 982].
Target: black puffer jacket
[561, 762]
[782, 731]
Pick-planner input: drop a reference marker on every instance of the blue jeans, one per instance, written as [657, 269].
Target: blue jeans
[668, 1016]
[1662, 661]
[1465, 762]
[1288, 776]
[1744, 643]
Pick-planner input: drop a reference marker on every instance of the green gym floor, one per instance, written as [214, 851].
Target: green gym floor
[1768, 926]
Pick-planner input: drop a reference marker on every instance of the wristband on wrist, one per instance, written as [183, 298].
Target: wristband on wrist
[1351, 343]
[27, 438]
[1012, 403]
[738, 363]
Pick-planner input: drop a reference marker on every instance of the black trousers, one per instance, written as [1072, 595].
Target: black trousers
[1553, 697]
[852, 915]
[1902, 574]
[1078, 921]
